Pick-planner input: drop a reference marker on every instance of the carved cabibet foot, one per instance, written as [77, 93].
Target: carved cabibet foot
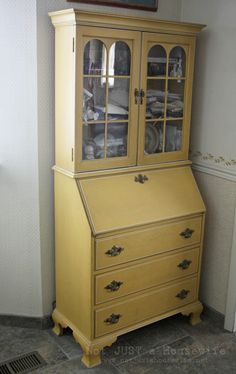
[58, 324]
[194, 312]
[92, 350]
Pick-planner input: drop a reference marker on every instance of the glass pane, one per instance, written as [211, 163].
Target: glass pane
[94, 99]
[95, 58]
[173, 136]
[118, 98]
[119, 59]
[175, 98]
[156, 61]
[177, 62]
[153, 137]
[117, 139]
[93, 141]
[155, 101]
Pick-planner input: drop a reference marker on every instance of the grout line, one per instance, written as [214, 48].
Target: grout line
[58, 345]
[154, 347]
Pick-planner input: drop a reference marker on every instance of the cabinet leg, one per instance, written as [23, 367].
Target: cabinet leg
[91, 359]
[194, 312]
[92, 349]
[57, 329]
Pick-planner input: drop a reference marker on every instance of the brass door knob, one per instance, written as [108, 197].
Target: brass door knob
[141, 178]
[187, 233]
[184, 264]
[182, 294]
[113, 286]
[114, 318]
[114, 251]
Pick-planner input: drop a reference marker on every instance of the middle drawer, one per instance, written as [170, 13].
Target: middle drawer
[148, 274]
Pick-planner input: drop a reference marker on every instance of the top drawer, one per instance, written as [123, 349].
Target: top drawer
[142, 243]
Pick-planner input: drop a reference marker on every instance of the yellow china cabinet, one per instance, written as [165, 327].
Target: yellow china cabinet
[129, 217]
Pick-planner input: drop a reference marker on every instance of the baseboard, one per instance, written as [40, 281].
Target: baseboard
[213, 314]
[40, 323]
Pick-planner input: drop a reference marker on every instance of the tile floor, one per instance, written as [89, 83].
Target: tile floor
[168, 346]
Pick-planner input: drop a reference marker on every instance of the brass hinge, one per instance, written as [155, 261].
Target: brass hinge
[73, 44]
[72, 154]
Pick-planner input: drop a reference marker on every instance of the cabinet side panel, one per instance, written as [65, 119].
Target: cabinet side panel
[73, 255]
[64, 96]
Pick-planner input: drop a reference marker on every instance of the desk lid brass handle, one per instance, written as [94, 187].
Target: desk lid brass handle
[184, 264]
[187, 233]
[182, 294]
[113, 286]
[141, 178]
[114, 318]
[114, 251]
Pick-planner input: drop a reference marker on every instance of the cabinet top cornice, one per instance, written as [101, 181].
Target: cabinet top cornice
[76, 16]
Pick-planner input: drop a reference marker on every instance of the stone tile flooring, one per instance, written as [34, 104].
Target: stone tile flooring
[168, 346]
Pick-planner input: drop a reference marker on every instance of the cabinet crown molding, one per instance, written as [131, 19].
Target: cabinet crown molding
[76, 16]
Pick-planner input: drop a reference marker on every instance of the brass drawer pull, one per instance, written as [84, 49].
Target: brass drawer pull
[114, 318]
[114, 251]
[182, 294]
[187, 233]
[141, 178]
[113, 286]
[184, 264]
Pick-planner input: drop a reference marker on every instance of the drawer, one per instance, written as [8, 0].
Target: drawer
[139, 277]
[148, 305]
[141, 243]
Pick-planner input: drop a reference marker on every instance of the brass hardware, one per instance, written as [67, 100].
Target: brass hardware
[73, 45]
[72, 154]
[114, 251]
[113, 286]
[114, 318]
[182, 294]
[141, 95]
[187, 233]
[136, 95]
[184, 264]
[141, 178]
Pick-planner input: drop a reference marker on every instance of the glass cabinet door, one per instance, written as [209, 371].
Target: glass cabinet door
[164, 127]
[108, 116]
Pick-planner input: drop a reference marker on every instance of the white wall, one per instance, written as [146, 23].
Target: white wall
[20, 265]
[213, 136]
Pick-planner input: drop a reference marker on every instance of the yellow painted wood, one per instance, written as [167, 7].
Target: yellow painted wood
[73, 256]
[142, 243]
[117, 202]
[149, 274]
[98, 204]
[133, 40]
[76, 16]
[73, 29]
[144, 307]
[64, 97]
[116, 171]
[168, 42]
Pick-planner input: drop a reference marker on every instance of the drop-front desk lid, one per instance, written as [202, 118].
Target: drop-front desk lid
[118, 201]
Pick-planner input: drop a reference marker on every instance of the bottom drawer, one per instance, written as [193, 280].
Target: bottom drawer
[148, 305]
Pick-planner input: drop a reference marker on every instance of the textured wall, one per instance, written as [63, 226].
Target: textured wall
[213, 137]
[220, 199]
[20, 264]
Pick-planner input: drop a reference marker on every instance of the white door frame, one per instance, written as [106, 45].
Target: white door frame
[230, 313]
